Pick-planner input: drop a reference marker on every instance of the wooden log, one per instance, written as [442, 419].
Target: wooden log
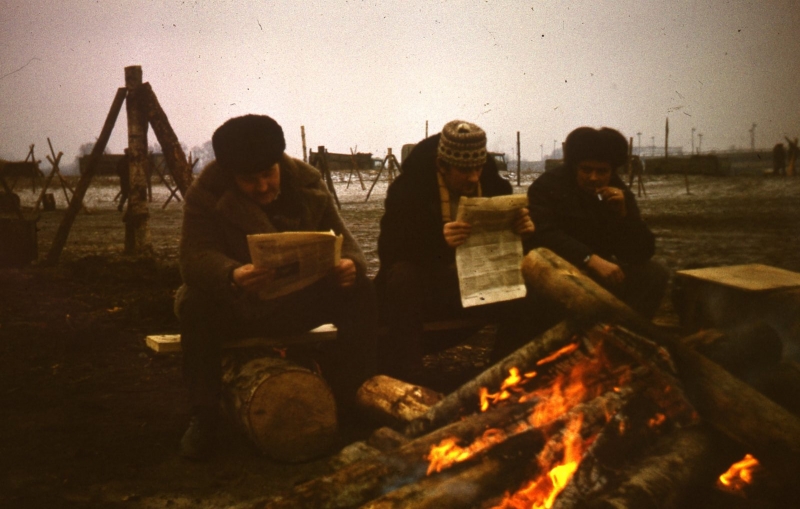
[466, 397]
[287, 411]
[395, 402]
[769, 431]
[174, 155]
[679, 465]
[76, 202]
[366, 480]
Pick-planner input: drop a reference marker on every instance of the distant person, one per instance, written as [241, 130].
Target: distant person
[124, 173]
[254, 187]
[418, 280]
[779, 160]
[585, 214]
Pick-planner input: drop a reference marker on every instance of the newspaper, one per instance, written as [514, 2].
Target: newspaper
[299, 258]
[489, 261]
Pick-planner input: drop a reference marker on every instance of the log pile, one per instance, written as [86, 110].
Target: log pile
[601, 411]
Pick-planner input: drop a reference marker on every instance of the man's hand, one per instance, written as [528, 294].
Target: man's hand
[251, 279]
[609, 272]
[345, 273]
[456, 233]
[614, 198]
[523, 224]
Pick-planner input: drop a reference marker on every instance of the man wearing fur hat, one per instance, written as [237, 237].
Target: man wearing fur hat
[418, 280]
[585, 214]
[254, 187]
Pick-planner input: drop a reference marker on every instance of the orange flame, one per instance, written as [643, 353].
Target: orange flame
[448, 452]
[563, 351]
[509, 385]
[740, 473]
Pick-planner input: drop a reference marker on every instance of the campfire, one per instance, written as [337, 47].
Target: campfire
[603, 414]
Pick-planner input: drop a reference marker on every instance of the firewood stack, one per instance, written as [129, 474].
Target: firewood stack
[601, 411]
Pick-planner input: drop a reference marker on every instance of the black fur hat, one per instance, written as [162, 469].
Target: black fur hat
[248, 144]
[586, 143]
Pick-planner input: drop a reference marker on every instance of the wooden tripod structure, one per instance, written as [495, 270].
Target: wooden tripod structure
[355, 168]
[321, 163]
[142, 108]
[390, 163]
[635, 171]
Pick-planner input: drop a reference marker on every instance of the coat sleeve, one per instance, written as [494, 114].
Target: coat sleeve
[203, 262]
[407, 232]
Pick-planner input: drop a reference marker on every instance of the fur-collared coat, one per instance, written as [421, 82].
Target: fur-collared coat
[217, 218]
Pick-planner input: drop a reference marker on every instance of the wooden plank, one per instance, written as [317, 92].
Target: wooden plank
[171, 343]
[752, 277]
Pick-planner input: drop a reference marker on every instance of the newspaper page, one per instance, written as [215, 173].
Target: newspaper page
[489, 261]
[299, 258]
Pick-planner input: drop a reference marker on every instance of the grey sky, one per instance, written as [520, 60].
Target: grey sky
[369, 74]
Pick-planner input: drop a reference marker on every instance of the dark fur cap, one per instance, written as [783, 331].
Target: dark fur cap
[586, 143]
[248, 144]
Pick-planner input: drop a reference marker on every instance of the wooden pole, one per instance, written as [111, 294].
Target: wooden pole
[322, 164]
[174, 155]
[392, 160]
[519, 163]
[137, 215]
[303, 136]
[83, 184]
[666, 139]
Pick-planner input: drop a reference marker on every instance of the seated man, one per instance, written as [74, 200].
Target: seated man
[585, 214]
[418, 280]
[253, 187]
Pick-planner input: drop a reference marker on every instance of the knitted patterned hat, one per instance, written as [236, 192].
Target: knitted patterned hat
[248, 144]
[462, 144]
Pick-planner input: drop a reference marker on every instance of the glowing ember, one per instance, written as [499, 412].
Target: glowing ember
[739, 474]
[564, 351]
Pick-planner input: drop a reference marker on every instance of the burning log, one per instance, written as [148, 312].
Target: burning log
[394, 401]
[287, 410]
[360, 482]
[730, 405]
[466, 397]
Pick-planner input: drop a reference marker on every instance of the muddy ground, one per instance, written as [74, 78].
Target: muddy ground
[91, 418]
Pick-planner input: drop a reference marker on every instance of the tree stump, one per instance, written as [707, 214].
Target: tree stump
[288, 411]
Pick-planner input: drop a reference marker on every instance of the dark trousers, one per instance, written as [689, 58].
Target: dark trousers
[411, 295]
[644, 287]
[206, 323]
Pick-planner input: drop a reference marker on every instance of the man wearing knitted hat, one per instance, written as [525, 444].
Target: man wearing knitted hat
[254, 187]
[585, 214]
[418, 280]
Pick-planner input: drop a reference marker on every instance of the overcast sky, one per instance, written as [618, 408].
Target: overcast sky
[368, 74]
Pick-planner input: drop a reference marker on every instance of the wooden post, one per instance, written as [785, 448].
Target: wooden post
[666, 140]
[519, 163]
[83, 184]
[136, 217]
[322, 165]
[303, 136]
[391, 164]
[174, 155]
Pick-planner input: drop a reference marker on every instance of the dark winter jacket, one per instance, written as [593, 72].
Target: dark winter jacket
[411, 226]
[217, 218]
[574, 224]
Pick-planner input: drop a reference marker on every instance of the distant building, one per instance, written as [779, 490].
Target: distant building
[107, 166]
[339, 162]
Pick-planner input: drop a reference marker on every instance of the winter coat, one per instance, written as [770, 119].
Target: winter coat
[411, 226]
[575, 224]
[217, 218]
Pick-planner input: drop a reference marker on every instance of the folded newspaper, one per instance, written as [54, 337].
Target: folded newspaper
[299, 258]
[489, 261]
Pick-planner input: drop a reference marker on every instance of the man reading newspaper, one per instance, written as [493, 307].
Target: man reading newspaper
[420, 232]
[254, 188]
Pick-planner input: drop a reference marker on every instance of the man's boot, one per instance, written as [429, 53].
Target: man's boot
[199, 439]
